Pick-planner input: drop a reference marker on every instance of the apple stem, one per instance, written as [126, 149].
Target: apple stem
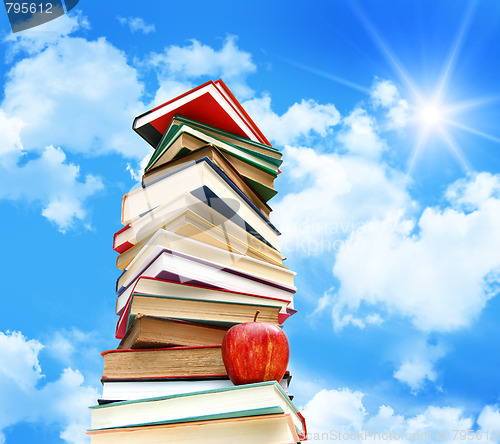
[256, 314]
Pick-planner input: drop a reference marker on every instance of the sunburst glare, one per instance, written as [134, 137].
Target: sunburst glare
[430, 114]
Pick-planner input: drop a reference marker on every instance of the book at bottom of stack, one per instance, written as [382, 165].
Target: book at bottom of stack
[249, 413]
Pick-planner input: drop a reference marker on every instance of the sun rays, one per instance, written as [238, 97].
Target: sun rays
[435, 118]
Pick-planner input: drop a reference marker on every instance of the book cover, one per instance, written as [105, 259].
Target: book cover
[211, 102]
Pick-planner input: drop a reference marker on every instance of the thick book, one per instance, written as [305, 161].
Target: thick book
[212, 103]
[168, 240]
[185, 139]
[151, 287]
[152, 331]
[212, 312]
[223, 234]
[163, 362]
[220, 134]
[245, 176]
[205, 181]
[223, 429]
[114, 390]
[260, 398]
[180, 267]
[168, 212]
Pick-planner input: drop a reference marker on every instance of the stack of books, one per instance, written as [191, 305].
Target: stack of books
[198, 255]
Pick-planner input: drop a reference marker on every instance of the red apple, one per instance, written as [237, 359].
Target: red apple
[255, 352]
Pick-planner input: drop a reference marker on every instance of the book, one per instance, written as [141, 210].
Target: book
[114, 390]
[253, 399]
[152, 331]
[168, 240]
[166, 214]
[211, 102]
[163, 362]
[260, 183]
[151, 287]
[269, 429]
[220, 134]
[205, 181]
[186, 139]
[197, 221]
[180, 267]
[212, 312]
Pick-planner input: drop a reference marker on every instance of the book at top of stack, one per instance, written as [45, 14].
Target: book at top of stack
[198, 254]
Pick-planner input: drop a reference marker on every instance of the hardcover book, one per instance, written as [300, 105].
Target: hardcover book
[168, 240]
[156, 332]
[222, 429]
[260, 398]
[163, 362]
[255, 183]
[151, 287]
[201, 178]
[114, 390]
[224, 234]
[212, 103]
[179, 267]
[172, 147]
[220, 134]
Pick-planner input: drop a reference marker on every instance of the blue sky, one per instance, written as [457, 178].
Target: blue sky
[389, 202]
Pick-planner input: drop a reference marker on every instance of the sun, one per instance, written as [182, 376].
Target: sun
[430, 114]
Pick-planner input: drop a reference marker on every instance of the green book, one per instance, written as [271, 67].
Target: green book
[224, 135]
[260, 160]
[263, 398]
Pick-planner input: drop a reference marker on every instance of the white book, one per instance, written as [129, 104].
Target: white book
[118, 390]
[197, 177]
[176, 213]
[223, 257]
[184, 268]
[222, 233]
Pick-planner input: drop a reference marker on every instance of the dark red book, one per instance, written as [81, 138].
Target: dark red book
[211, 103]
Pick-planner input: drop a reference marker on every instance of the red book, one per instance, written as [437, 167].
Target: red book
[211, 103]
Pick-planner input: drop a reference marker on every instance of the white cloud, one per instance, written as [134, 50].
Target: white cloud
[398, 114]
[34, 40]
[435, 419]
[136, 24]
[385, 94]
[63, 402]
[348, 411]
[418, 364]
[339, 415]
[300, 120]
[72, 347]
[331, 197]
[182, 65]
[19, 361]
[432, 270]
[10, 139]
[83, 98]
[168, 89]
[470, 195]
[51, 182]
[489, 418]
[360, 135]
